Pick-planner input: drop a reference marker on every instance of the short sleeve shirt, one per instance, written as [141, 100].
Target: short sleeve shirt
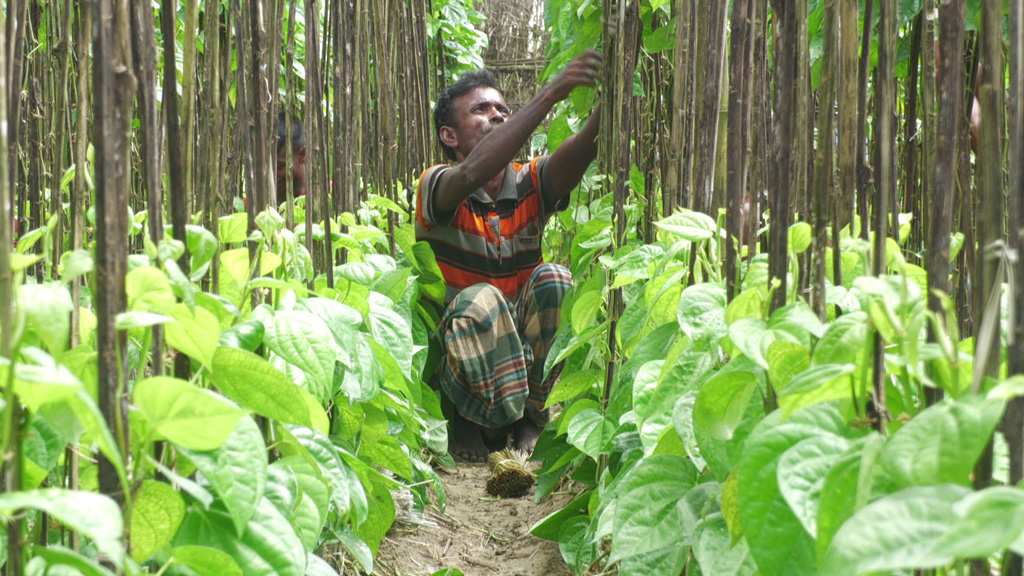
[485, 240]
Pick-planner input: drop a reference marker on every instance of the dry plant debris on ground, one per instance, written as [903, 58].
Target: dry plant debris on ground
[478, 534]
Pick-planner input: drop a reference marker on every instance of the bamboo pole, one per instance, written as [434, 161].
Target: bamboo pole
[885, 170]
[111, 90]
[737, 143]
[1012, 425]
[11, 434]
[823, 163]
[864, 176]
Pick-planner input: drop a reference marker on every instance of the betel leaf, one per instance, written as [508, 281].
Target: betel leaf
[902, 530]
[722, 402]
[194, 332]
[55, 555]
[252, 382]
[692, 226]
[571, 385]
[47, 308]
[846, 489]
[380, 518]
[576, 547]
[95, 516]
[701, 312]
[304, 341]
[149, 290]
[549, 526]
[393, 332]
[777, 540]
[268, 545]
[714, 551]
[942, 443]
[347, 493]
[801, 475]
[785, 360]
[753, 338]
[843, 341]
[799, 237]
[206, 561]
[237, 470]
[284, 492]
[989, 521]
[188, 416]
[157, 511]
[591, 433]
[247, 335]
[647, 514]
[746, 304]
[817, 384]
[37, 386]
[317, 566]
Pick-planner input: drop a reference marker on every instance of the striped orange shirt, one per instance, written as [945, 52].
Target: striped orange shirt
[485, 240]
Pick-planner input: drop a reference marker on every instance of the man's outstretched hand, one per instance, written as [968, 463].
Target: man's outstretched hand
[583, 71]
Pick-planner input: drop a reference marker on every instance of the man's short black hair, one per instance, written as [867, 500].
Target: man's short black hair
[298, 132]
[444, 110]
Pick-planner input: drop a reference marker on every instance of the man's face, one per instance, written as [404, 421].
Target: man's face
[477, 112]
[297, 172]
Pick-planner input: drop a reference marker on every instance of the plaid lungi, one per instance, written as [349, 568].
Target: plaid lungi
[495, 349]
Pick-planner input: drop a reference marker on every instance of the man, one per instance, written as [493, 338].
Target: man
[298, 170]
[484, 218]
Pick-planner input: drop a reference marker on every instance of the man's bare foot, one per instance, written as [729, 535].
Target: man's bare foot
[526, 432]
[466, 441]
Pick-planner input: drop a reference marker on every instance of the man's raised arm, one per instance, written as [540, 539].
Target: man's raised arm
[497, 149]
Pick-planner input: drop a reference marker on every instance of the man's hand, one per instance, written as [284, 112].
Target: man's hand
[583, 71]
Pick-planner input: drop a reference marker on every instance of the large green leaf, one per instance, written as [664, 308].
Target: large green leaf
[55, 556]
[252, 382]
[777, 539]
[817, 384]
[571, 385]
[722, 402]
[237, 471]
[942, 444]
[785, 360]
[802, 472]
[692, 226]
[206, 561]
[591, 433]
[714, 551]
[576, 547]
[95, 516]
[846, 489]
[194, 332]
[149, 290]
[903, 530]
[47, 308]
[268, 546]
[284, 492]
[347, 493]
[701, 312]
[647, 515]
[753, 338]
[305, 341]
[380, 518]
[843, 341]
[188, 416]
[157, 511]
[394, 333]
[990, 521]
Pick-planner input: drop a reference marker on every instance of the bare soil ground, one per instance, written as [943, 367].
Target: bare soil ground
[478, 534]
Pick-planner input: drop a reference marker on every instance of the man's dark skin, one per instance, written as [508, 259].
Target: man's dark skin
[485, 140]
[298, 173]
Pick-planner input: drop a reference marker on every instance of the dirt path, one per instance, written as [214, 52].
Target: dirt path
[478, 534]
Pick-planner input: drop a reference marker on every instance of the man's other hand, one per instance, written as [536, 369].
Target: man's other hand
[583, 71]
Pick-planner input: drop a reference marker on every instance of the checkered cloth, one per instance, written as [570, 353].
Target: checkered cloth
[493, 369]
